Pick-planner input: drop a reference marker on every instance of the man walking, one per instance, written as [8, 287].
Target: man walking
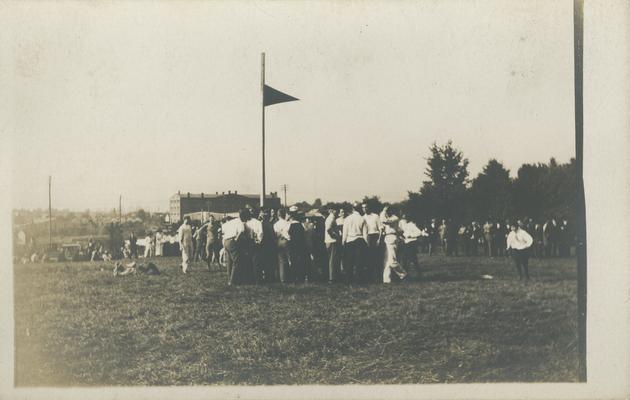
[184, 234]
[411, 234]
[390, 223]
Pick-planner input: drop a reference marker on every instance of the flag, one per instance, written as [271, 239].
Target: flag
[272, 96]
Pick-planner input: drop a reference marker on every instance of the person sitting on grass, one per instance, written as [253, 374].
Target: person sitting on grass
[518, 244]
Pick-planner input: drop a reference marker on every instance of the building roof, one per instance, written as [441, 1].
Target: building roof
[214, 195]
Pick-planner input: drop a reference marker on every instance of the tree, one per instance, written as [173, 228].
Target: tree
[546, 190]
[528, 190]
[491, 193]
[317, 203]
[374, 203]
[142, 214]
[443, 194]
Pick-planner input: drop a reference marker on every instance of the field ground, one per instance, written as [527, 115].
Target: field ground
[77, 324]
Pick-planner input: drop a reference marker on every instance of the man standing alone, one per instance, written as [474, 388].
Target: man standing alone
[518, 243]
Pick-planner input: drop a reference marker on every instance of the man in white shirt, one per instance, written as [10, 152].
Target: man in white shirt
[281, 228]
[233, 233]
[390, 222]
[331, 239]
[354, 240]
[411, 235]
[255, 229]
[184, 234]
[518, 244]
[373, 252]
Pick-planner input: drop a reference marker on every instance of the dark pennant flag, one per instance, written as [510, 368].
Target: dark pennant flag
[272, 96]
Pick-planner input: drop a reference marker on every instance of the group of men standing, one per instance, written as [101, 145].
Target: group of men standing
[361, 246]
[288, 246]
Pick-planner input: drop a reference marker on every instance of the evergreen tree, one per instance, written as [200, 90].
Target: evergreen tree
[443, 194]
[491, 193]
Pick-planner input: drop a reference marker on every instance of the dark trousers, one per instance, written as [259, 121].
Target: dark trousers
[332, 249]
[200, 251]
[488, 246]
[283, 261]
[257, 269]
[354, 253]
[238, 260]
[374, 259]
[268, 262]
[411, 255]
[299, 263]
[521, 258]
[231, 258]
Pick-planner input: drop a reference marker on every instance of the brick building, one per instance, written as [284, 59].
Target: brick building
[185, 203]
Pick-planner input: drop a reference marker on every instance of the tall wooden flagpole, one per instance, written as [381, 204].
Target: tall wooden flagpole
[262, 91]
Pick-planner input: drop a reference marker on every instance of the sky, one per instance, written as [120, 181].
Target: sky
[142, 99]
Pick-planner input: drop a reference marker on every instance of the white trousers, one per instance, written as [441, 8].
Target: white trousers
[186, 256]
[391, 260]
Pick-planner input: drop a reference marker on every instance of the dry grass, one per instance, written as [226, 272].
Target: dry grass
[76, 324]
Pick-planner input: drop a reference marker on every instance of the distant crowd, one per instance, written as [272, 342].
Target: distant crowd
[335, 244]
[357, 245]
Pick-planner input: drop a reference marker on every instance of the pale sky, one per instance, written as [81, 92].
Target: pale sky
[142, 99]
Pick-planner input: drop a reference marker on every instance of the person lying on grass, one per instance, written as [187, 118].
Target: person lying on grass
[133, 268]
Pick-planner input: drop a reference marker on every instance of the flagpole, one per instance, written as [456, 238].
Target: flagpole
[262, 90]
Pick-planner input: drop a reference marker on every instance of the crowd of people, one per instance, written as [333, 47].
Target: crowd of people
[356, 245]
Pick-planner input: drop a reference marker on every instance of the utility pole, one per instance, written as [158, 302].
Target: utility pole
[120, 209]
[580, 249]
[49, 212]
[262, 91]
[284, 188]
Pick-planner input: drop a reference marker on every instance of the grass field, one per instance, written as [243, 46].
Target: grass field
[76, 324]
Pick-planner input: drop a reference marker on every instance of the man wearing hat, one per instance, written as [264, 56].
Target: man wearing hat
[354, 240]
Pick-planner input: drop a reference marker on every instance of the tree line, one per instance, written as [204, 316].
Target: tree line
[539, 190]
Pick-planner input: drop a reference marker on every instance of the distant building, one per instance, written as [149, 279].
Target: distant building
[230, 202]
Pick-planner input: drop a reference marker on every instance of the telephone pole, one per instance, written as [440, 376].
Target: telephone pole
[49, 212]
[120, 209]
[284, 188]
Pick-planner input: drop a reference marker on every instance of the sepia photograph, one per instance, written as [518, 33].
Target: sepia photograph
[296, 193]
